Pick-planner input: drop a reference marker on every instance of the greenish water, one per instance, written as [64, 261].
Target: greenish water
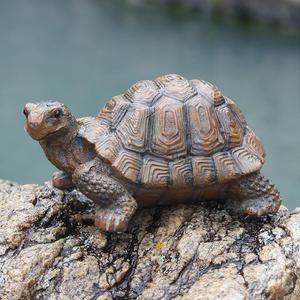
[83, 52]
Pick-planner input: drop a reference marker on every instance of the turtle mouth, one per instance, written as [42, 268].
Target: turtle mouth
[35, 132]
[58, 131]
[38, 133]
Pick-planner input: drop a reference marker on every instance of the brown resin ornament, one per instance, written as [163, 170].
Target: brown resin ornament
[163, 141]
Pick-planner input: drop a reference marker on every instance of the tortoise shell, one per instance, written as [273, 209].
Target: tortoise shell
[172, 132]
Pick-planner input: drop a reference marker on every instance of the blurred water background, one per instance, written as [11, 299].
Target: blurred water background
[83, 52]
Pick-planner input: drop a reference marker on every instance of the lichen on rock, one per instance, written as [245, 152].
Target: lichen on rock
[177, 252]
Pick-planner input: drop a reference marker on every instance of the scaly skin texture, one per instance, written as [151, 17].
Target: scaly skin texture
[253, 195]
[114, 204]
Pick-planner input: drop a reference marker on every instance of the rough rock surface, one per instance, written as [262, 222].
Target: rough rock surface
[180, 252]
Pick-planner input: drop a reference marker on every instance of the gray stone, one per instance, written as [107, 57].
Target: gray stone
[178, 252]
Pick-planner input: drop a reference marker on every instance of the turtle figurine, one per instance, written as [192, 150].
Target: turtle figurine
[163, 141]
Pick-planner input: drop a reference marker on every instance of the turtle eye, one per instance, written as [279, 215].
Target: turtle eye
[25, 112]
[58, 113]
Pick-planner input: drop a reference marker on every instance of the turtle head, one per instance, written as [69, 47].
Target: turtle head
[46, 118]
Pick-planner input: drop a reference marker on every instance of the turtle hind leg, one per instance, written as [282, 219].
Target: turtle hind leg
[253, 195]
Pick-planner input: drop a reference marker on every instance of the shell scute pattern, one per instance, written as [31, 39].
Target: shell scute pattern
[91, 129]
[208, 90]
[204, 128]
[108, 147]
[168, 139]
[128, 164]
[172, 132]
[253, 143]
[144, 91]
[236, 110]
[113, 111]
[232, 130]
[204, 172]
[176, 86]
[155, 172]
[133, 128]
[182, 173]
[226, 167]
[246, 161]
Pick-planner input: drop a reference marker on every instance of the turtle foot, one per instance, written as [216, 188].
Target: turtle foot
[253, 195]
[255, 207]
[62, 180]
[111, 221]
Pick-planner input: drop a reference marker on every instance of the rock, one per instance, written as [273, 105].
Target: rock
[284, 13]
[179, 252]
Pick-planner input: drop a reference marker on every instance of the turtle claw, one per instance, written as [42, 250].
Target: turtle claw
[63, 181]
[110, 221]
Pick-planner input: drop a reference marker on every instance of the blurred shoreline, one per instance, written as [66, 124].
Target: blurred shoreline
[279, 14]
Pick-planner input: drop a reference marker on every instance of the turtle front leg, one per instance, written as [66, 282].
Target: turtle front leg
[62, 180]
[114, 204]
[253, 195]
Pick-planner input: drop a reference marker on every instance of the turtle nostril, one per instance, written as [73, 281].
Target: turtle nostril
[33, 124]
